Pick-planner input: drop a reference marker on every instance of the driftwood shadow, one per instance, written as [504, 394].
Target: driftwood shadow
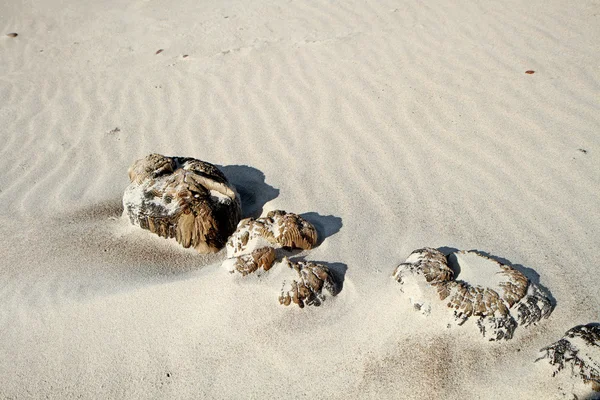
[326, 225]
[250, 185]
[454, 266]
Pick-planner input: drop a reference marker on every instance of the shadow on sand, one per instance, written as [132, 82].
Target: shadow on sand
[591, 396]
[250, 185]
[326, 225]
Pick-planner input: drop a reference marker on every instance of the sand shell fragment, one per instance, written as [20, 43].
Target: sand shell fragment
[579, 349]
[498, 296]
[306, 285]
[182, 198]
[278, 229]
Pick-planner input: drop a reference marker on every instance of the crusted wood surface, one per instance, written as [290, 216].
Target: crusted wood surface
[252, 249]
[278, 229]
[182, 198]
[579, 350]
[307, 284]
[428, 262]
[262, 259]
[498, 311]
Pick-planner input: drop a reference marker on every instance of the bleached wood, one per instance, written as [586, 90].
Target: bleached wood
[182, 198]
[510, 301]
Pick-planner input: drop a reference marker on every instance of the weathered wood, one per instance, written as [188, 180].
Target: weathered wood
[259, 259]
[579, 350]
[498, 310]
[182, 198]
[306, 285]
[278, 229]
[252, 248]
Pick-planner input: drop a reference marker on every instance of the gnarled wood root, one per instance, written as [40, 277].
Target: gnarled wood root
[498, 311]
[182, 198]
[306, 285]
[580, 350]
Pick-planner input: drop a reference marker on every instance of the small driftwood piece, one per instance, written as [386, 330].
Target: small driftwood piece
[307, 284]
[579, 350]
[278, 229]
[259, 260]
[510, 300]
[248, 245]
[182, 198]
[252, 249]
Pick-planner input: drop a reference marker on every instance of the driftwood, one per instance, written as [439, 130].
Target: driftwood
[579, 349]
[252, 245]
[278, 229]
[260, 259]
[306, 285]
[512, 301]
[252, 249]
[182, 198]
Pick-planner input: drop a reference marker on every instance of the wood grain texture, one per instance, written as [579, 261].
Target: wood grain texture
[182, 198]
[498, 311]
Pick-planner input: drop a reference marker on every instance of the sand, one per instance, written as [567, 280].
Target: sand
[391, 125]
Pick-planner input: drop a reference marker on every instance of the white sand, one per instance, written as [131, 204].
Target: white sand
[398, 124]
[478, 271]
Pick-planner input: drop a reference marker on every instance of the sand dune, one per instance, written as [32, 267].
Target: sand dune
[390, 125]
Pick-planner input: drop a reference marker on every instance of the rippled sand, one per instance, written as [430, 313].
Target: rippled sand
[393, 125]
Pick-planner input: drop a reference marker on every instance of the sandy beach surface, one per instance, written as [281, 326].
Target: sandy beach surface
[390, 125]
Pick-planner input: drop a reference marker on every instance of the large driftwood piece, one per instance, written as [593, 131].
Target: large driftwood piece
[182, 198]
[579, 350]
[512, 301]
